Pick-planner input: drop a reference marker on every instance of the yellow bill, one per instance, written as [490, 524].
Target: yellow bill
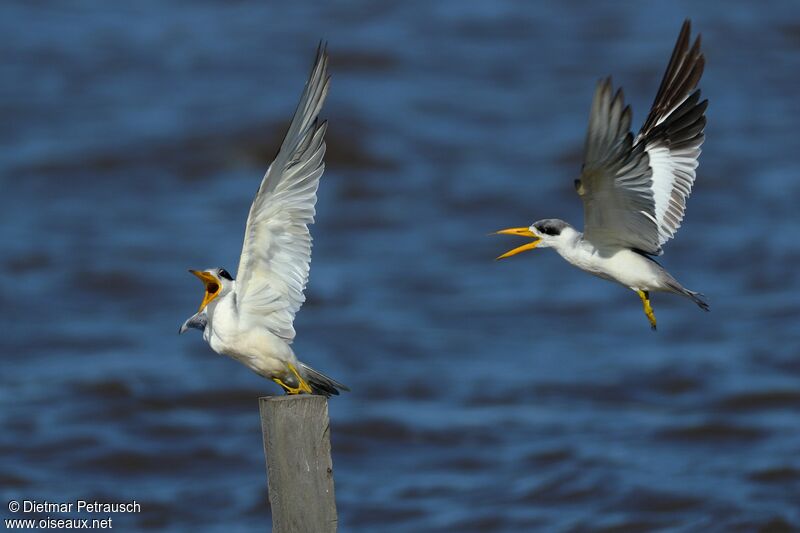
[520, 232]
[211, 284]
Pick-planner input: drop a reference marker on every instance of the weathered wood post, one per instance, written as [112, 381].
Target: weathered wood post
[299, 468]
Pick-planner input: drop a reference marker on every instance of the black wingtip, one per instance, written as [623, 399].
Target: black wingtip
[321, 384]
[322, 49]
[683, 73]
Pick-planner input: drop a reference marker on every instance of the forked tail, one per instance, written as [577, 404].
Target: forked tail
[320, 383]
[696, 297]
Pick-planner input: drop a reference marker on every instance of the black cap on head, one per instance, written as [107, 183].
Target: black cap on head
[550, 226]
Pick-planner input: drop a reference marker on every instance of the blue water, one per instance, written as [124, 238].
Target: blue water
[513, 396]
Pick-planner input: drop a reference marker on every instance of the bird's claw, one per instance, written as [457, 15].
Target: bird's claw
[648, 309]
[302, 385]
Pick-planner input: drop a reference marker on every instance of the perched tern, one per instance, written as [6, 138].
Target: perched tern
[634, 189]
[250, 318]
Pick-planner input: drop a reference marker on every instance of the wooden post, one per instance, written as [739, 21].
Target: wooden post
[299, 468]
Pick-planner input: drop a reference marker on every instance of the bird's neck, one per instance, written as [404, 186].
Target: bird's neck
[573, 247]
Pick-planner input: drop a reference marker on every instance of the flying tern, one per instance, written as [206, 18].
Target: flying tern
[634, 188]
[250, 318]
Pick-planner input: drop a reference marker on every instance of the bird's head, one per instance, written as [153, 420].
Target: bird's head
[547, 233]
[216, 282]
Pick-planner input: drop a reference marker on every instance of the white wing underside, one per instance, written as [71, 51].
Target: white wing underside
[274, 265]
[634, 190]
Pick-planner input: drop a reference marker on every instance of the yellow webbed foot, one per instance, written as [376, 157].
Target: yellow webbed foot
[648, 309]
[302, 385]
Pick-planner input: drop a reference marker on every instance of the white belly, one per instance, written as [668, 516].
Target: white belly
[256, 347]
[621, 265]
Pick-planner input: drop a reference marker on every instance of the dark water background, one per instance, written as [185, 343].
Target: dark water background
[512, 396]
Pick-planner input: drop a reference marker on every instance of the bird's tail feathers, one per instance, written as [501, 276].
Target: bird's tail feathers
[320, 383]
[699, 299]
[696, 297]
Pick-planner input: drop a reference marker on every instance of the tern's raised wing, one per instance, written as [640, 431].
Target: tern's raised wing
[273, 268]
[634, 191]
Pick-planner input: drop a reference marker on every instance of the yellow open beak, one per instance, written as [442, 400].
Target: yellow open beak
[521, 232]
[212, 286]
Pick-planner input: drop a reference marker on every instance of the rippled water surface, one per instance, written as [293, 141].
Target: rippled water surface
[513, 396]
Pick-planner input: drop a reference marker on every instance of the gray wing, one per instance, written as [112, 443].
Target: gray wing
[634, 190]
[615, 183]
[274, 265]
[673, 133]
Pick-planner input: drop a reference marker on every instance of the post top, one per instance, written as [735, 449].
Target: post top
[292, 398]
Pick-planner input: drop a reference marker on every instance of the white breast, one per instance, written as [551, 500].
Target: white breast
[621, 265]
[256, 347]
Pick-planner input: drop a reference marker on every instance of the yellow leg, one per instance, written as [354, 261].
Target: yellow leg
[301, 387]
[648, 310]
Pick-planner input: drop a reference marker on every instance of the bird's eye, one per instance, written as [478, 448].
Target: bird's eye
[212, 288]
[224, 274]
[549, 230]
